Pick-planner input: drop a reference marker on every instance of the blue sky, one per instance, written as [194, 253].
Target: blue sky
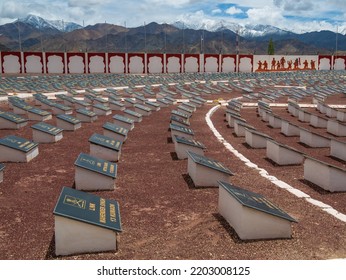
[294, 15]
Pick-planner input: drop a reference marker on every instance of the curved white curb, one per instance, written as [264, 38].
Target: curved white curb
[281, 184]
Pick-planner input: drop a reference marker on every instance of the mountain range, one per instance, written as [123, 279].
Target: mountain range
[34, 33]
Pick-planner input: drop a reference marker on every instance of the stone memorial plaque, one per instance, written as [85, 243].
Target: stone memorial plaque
[255, 201]
[180, 114]
[123, 119]
[101, 107]
[105, 141]
[47, 128]
[68, 118]
[208, 162]
[38, 111]
[132, 113]
[182, 129]
[18, 143]
[179, 120]
[12, 117]
[189, 142]
[96, 165]
[153, 105]
[62, 107]
[185, 109]
[86, 112]
[88, 208]
[100, 100]
[115, 128]
[142, 107]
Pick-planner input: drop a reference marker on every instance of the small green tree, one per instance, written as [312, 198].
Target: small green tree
[271, 49]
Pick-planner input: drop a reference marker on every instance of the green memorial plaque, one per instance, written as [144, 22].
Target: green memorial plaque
[18, 143]
[133, 113]
[101, 107]
[45, 127]
[100, 99]
[142, 107]
[82, 103]
[255, 201]
[152, 104]
[163, 100]
[12, 117]
[115, 128]
[2, 167]
[68, 118]
[61, 107]
[88, 208]
[181, 129]
[180, 114]
[105, 141]
[184, 108]
[130, 100]
[180, 120]
[39, 112]
[97, 165]
[189, 142]
[123, 119]
[208, 162]
[86, 112]
[117, 103]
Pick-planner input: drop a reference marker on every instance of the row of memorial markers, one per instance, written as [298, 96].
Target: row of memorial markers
[88, 223]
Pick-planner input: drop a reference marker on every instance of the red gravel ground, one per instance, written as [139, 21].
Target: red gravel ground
[163, 215]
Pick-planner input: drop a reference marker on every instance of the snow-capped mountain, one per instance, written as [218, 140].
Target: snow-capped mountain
[41, 23]
[247, 31]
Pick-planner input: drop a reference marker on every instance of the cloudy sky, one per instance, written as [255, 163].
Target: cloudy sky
[294, 15]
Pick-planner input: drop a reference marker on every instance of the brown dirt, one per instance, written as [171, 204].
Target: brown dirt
[163, 215]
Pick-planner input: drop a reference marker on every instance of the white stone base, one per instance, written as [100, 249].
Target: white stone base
[254, 140]
[274, 121]
[250, 223]
[116, 107]
[328, 177]
[12, 155]
[317, 121]
[336, 128]
[104, 152]
[128, 126]
[136, 119]
[289, 129]
[304, 116]
[283, 155]
[67, 126]
[36, 117]
[6, 124]
[92, 181]
[75, 237]
[86, 119]
[142, 112]
[58, 111]
[116, 136]
[313, 140]
[43, 137]
[100, 112]
[341, 116]
[338, 149]
[203, 176]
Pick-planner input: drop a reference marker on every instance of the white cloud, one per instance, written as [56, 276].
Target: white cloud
[265, 15]
[216, 11]
[233, 11]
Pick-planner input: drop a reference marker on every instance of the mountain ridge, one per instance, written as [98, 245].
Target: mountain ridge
[38, 34]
